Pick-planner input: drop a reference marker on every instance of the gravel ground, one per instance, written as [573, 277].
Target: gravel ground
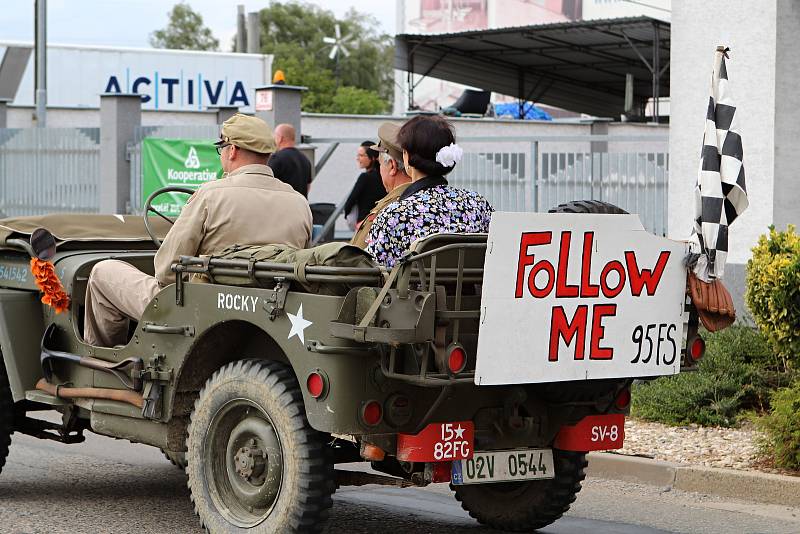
[734, 448]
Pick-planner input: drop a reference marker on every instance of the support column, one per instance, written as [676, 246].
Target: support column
[599, 151]
[786, 186]
[254, 33]
[120, 115]
[4, 112]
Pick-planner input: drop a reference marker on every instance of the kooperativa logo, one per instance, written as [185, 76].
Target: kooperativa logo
[192, 161]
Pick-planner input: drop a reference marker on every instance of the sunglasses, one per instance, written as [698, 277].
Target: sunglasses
[221, 147]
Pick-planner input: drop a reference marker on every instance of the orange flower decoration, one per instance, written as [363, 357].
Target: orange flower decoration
[46, 279]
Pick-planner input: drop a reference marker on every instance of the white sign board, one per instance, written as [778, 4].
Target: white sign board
[168, 80]
[576, 297]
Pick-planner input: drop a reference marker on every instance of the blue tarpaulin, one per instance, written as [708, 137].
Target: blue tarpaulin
[511, 109]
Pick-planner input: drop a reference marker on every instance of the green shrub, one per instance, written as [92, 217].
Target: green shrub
[782, 428]
[730, 379]
[773, 292]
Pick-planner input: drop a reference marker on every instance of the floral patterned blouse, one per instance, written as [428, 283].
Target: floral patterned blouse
[429, 206]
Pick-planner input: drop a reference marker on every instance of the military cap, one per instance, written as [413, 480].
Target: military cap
[387, 135]
[250, 133]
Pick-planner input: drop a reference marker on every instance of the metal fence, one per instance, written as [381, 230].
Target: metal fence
[134, 152]
[635, 181]
[499, 176]
[46, 170]
[538, 173]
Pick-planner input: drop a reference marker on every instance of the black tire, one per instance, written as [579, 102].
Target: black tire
[249, 441]
[588, 206]
[6, 414]
[178, 459]
[526, 506]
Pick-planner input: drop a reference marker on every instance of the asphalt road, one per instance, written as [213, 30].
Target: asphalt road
[105, 486]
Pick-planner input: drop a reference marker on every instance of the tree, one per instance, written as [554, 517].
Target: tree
[293, 33]
[185, 31]
[357, 101]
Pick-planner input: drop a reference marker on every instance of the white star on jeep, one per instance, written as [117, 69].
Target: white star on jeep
[299, 324]
[460, 432]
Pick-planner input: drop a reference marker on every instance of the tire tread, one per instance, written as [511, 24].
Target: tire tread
[316, 474]
[570, 472]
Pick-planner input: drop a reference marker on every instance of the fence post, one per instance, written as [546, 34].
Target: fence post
[278, 104]
[4, 112]
[225, 112]
[120, 115]
[598, 147]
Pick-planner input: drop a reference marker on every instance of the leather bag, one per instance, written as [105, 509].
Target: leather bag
[713, 302]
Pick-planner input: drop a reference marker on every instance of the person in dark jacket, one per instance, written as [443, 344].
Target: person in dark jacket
[369, 186]
[288, 164]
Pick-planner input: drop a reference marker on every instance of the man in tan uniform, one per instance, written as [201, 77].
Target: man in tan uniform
[393, 174]
[247, 206]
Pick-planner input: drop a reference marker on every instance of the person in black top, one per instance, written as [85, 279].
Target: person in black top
[369, 186]
[288, 164]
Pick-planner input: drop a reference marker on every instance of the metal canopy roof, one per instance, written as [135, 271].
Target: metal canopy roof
[578, 66]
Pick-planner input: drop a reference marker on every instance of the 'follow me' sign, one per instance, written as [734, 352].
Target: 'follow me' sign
[576, 297]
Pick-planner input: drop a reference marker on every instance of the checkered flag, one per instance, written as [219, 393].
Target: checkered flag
[720, 194]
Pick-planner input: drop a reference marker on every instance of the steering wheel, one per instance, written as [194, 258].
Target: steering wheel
[148, 207]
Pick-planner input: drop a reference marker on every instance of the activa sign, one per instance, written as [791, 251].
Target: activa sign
[167, 91]
[590, 296]
[169, 80]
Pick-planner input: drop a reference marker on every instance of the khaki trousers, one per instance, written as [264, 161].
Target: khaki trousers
[116, 292]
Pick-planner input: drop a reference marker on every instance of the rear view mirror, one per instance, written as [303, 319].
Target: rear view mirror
[43, 244]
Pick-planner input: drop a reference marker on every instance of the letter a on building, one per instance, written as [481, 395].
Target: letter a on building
[192, 161]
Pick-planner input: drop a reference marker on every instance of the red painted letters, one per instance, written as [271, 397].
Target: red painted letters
[560, 328]
[611, 282]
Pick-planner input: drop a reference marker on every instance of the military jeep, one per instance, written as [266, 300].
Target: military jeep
[426, 373]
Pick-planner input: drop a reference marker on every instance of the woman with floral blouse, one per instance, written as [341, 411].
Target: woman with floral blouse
[429, 205]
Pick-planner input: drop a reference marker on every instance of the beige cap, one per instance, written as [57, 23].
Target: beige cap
[250, 133]
[387, 135]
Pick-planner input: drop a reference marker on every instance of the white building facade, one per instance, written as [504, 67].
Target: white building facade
[764, 73]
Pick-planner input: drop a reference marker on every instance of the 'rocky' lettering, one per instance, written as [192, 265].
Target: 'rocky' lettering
[231, 301]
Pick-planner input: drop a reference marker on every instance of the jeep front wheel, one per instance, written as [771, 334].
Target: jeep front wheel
[526, 506]
[6, 414]
[254, 462]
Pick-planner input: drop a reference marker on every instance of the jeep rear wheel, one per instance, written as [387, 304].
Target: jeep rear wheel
[526, 506]
[254, 462]
[6, 414]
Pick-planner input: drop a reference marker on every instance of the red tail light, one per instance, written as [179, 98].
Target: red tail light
[372, 413]
[438, 471]
[623, 399]
[697, 348]
[316, 384]
[457, 359]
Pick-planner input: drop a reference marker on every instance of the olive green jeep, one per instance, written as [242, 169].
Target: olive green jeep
[426, 373]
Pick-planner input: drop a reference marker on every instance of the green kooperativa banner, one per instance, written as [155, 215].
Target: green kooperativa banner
[181, 162]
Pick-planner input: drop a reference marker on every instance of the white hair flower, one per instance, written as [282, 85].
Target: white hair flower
[449, 155]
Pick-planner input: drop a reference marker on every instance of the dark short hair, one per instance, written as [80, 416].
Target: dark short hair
[422, 137]
[371, 154]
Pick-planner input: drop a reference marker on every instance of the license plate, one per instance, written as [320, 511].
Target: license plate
[504, 466]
